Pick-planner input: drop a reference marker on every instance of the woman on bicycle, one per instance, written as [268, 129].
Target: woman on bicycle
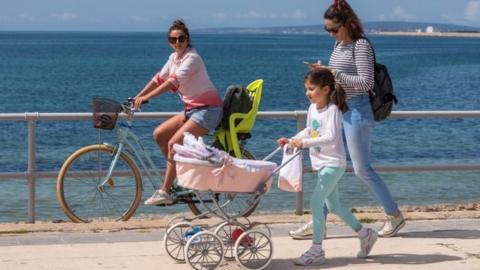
[184, 74]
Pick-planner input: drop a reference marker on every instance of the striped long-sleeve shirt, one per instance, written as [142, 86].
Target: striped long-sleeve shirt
[355, 75]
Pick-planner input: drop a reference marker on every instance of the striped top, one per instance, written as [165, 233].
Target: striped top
[356, 76]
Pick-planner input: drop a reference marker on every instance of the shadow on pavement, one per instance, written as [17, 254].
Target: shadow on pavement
[458, 234]
[385, 259]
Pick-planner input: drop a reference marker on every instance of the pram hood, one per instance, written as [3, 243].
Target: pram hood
[195, 151]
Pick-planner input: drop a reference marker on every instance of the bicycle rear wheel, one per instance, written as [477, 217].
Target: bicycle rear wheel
[79, 185]
[236, 204]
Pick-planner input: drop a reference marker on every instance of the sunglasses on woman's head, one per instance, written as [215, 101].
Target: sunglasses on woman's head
[180, 39]
[332, 30]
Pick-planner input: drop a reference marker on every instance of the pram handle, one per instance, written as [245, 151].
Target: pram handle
[272, 154]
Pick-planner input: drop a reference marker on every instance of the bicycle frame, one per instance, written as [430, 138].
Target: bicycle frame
[129, 143]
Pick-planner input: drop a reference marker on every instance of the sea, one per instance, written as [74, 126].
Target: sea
[61, 72]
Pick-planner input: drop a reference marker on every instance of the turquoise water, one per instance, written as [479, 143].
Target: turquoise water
[60, 72]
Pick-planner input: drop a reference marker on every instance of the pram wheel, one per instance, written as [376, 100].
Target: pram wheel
[226, 231]
[175, 240]
[262, 227]
[204, 250]
[176, 219]
[253, 250]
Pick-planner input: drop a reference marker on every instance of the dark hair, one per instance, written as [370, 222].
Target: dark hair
[323, 77]
[180, 25]
[341, 12]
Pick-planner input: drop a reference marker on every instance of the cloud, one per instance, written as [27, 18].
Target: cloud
[401, 14]
[139, 19]
[3, 18]
[64, 17]
[26, 17]
[252, 15]
[220, 16]
[472, 11]
[296, 14]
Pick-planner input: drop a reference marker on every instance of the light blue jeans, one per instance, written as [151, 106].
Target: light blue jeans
[326, 192]
[358, 125]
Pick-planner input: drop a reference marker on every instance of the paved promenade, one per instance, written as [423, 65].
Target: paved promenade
[424, 244]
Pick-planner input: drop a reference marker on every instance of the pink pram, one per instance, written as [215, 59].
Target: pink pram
[232, 175]
[204, 169]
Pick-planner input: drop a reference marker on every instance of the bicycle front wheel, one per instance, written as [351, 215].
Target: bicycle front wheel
[233, 204]
[84, 192]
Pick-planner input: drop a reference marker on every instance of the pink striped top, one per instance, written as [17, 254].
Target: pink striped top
[190, 80]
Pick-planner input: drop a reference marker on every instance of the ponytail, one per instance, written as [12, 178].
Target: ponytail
[339, 98]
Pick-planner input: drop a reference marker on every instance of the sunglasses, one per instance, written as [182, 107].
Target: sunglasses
[180, 39]
[333, 30]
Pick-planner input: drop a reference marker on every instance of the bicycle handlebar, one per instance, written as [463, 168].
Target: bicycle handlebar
[127, 106]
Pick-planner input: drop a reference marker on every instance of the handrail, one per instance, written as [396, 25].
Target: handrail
[262, 115]
[31, 118]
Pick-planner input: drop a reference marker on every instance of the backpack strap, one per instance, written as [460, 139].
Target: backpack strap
[373, 50]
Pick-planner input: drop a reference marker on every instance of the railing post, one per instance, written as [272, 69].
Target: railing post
[299, 195]
[31, 122]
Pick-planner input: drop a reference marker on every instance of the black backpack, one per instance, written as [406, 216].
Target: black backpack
[236, 100]
[381, 96]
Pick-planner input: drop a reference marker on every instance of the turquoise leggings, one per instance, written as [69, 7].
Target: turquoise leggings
[326, 192]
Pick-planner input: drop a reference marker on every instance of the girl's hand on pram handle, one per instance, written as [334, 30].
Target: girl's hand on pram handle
[296, 143]
[282, 141]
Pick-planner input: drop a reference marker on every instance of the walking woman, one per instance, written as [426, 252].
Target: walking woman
[352, 63]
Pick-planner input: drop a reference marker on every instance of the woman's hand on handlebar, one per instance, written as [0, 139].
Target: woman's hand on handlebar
[138, 101]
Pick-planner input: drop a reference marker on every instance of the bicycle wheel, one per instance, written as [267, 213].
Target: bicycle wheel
[236, 204]
[79, 185]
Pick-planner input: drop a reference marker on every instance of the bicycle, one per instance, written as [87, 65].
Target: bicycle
[104, 179]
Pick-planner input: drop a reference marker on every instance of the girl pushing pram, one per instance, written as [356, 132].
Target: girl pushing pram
[323, 137]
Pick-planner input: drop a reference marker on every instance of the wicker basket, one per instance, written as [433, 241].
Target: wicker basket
[105, 112]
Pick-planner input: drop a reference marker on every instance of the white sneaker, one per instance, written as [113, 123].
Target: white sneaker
[391, 226]
[159, 197]
[306, 232]
[366, 243]
[311, 257]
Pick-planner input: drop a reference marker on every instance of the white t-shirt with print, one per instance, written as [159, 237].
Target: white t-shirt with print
[323, 135]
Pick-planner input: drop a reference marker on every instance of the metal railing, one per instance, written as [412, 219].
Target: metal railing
[31, 175]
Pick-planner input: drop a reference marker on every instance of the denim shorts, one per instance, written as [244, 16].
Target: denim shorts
[208, 117]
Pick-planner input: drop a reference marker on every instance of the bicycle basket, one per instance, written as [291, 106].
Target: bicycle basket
[105, 113]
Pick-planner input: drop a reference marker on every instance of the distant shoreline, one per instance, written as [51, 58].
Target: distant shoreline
[433, 34]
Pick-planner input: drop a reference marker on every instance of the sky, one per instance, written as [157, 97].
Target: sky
[157, 15]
